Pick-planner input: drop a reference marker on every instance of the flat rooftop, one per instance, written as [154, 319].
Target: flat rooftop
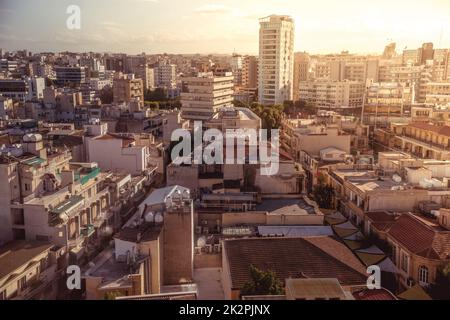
[286, 206]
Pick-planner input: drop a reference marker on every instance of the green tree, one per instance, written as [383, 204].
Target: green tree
[262, 283]
[323, 193]
[106, 95]
[112, 295]
[440, 290]
[159, 94]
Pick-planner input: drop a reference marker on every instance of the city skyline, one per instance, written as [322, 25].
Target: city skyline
[157, 26]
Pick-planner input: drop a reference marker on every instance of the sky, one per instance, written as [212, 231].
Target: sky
[221, 26]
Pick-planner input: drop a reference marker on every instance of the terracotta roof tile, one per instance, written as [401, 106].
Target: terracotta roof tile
[313, 257]
[421, 239]
[442, 130]
[376, 294]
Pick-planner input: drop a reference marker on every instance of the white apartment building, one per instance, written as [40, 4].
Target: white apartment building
[276, 59]
[98, 84]
[118, 153]
[202, 96]
[332, 94]
[165, 75]
[23, 90]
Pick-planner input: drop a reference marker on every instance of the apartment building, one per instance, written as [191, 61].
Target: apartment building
[417, 261]
[321, 69]
[434, 114]
[310, 136]
[276, 59]
[8, 65]
[236, 65]
[128, 89]
[437, 93]
[70, 75]
[424, 140]
[48, 198]
[327, 94]
[360, 189]
[147, 75]
[117, 152]
[386, 103]
[360, 71]
[165, 75]
[302, 63]
[98, 84]
[250, 72]
[205, 94]
[30, 270]
[22, 90]
[154, 250]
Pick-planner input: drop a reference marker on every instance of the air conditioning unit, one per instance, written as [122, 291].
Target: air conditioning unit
[209, 248]
[198, 250]
[205, 230]
[198, 230]
[217, 248]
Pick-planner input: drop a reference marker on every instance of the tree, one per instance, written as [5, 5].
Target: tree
[440, 290]
[112, 295]
[106, 95]
[323, 193]
[262, 283]
[153, 105]
[271, 116]
[159, 94]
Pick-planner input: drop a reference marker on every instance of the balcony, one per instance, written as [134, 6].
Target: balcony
[87, 230]
[36, 286]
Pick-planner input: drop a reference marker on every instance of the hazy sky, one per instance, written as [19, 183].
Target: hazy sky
[222, 26]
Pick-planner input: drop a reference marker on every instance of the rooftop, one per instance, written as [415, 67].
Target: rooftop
[16, 254]
[143, 232]
[311, 257]
[286, 206]
[420, 238]
[374, 294]
[327, 288]
[442, 130]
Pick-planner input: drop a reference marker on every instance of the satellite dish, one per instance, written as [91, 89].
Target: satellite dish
[159, 218]
[201, 242]
[150, 217]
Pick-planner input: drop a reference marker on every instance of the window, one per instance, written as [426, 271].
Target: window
[423, 275]
[394, 254]
[27, 187]
[22, 283]
[405, 260]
